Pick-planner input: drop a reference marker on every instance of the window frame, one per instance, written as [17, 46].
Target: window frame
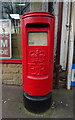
[10, 60]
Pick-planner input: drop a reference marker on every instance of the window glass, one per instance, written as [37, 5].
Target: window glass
[12, 11]
[37, 38]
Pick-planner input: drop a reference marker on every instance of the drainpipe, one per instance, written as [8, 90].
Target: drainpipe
[58, 44]
[70, 47]
[64, 38]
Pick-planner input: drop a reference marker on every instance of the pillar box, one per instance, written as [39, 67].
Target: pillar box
[37, 59]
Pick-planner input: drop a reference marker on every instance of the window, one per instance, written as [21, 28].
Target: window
[12, 11]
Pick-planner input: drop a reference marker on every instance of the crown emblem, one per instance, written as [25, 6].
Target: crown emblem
[37, 56]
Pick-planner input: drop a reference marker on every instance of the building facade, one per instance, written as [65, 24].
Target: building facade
[11, 12]
[10, 24]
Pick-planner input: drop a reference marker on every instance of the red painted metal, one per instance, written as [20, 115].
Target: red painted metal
[10, 61]
[37, 61]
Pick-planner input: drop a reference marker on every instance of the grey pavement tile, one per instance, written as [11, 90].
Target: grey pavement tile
[13, 107]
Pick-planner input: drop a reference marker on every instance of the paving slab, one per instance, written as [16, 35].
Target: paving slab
[13, 107]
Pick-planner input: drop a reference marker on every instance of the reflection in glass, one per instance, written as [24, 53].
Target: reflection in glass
[13, 10]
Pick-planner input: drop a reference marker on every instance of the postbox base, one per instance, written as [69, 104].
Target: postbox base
[37, 104]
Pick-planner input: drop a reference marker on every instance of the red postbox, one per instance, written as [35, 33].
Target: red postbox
[37, 59]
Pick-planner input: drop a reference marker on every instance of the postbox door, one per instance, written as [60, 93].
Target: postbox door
[38, 54]
[37, 78]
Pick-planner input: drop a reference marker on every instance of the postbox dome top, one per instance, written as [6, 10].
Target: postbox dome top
[38, 13]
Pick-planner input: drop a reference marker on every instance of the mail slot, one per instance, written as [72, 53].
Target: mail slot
[37, 59]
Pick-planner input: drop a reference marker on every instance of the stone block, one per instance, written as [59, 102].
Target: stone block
[14, 65]
[11, 74]
[7, 77]
[0, 70]
[18, 79]
[10, 70]
[4, 65]
[0, 76]
[8, 82]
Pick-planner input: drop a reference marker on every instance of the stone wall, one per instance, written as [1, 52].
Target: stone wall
[12, 74]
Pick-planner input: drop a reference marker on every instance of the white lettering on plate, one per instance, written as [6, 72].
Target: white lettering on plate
[3, 52]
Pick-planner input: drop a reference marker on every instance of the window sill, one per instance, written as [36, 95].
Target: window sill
[10, 60]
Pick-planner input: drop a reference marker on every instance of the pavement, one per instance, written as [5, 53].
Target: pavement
[13, 107]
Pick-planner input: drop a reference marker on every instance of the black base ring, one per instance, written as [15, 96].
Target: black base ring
[37, 104]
